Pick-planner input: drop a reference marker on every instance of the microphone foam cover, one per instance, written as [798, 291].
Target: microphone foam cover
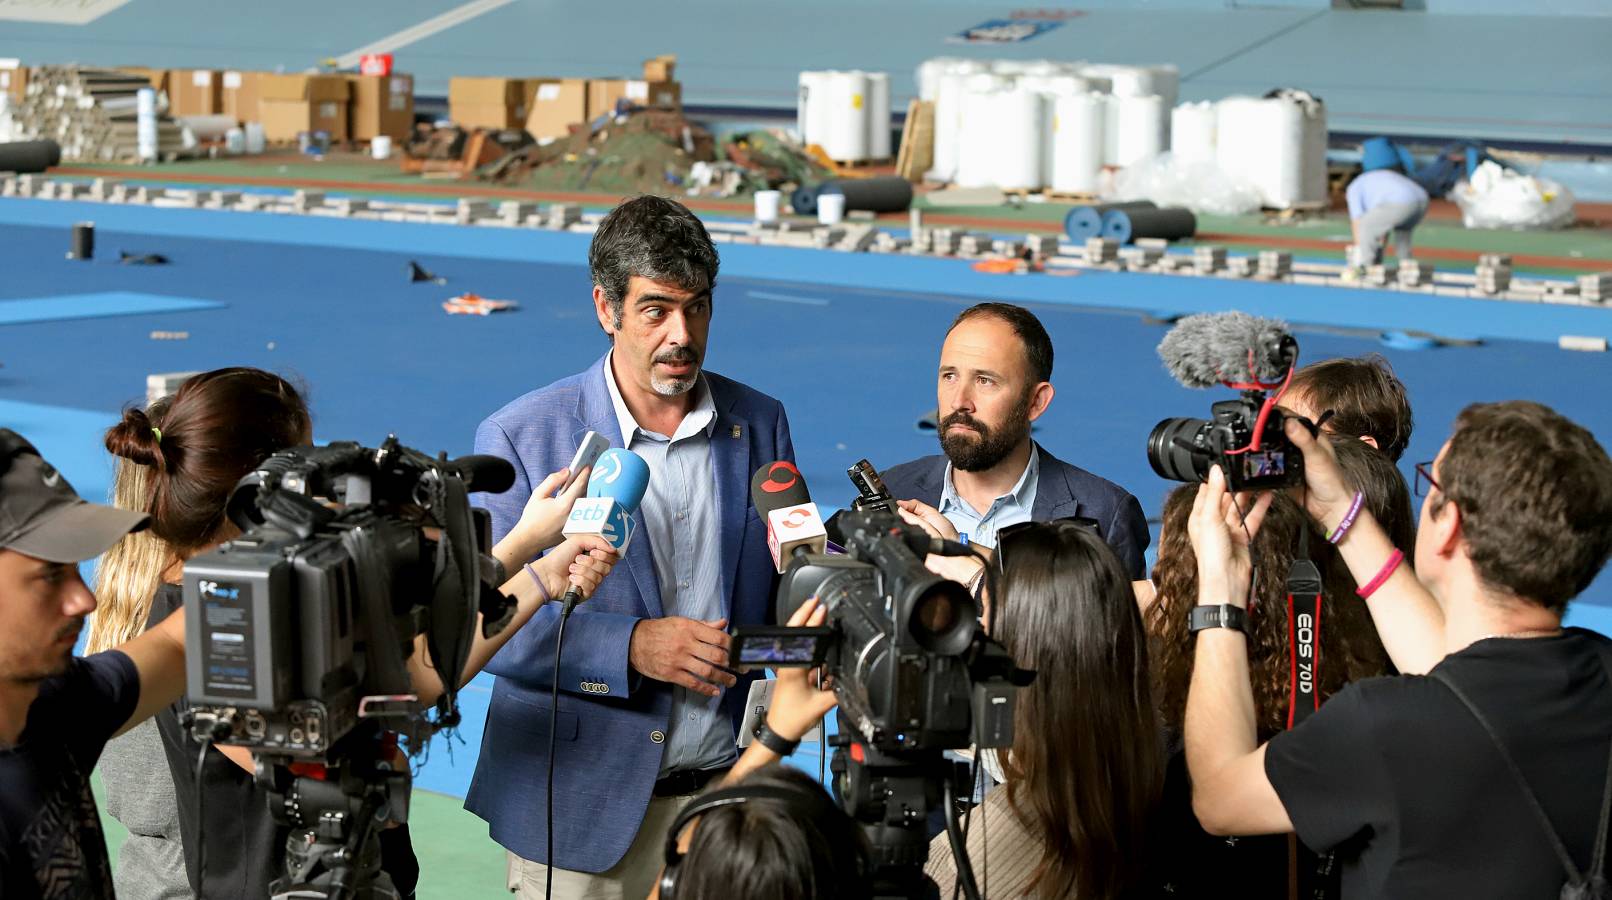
[621, 475]
[777, 485]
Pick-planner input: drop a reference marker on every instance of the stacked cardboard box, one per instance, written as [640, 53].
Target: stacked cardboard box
[193, 92]
[605, 93]
[660, 68]
[382, 105]
[490, 102]
[238, 96]
[557, 104]
[292, 104]
[13, 80]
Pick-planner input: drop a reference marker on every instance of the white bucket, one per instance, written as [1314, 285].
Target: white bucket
[380, 146]
[256, 140]
[235, 142]
[767, 203]
[830, 208]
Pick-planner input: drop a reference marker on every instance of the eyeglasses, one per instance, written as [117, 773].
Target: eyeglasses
[1424, 478]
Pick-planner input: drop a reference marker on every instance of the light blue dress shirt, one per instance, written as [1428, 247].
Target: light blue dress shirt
[1009, 509]
[680, 517]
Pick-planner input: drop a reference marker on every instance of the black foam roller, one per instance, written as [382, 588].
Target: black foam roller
[1171, 224]
[29, 157]
[880, 194]
[804, 200]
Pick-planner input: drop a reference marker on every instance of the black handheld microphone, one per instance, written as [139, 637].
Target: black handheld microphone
[794, 525]
[484, 473]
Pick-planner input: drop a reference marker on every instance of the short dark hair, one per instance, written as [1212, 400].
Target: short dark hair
[772, 849]
[1535, 495]
[655, 238]
[1366, 399]
[1037, 345]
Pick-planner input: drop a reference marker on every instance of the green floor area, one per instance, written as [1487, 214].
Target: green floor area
[458, 861]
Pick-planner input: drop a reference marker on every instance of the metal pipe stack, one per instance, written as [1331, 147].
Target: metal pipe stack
[91, 113]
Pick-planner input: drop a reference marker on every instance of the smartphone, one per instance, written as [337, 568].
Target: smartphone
[779, 646]
[593, 445]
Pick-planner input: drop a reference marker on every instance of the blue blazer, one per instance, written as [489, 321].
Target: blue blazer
[1063, 491]
[612, 722]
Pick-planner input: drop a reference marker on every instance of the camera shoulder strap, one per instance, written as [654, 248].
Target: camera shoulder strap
[1304, 594]
[1579, 886]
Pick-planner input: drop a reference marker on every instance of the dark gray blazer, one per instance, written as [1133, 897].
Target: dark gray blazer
[1063, 491]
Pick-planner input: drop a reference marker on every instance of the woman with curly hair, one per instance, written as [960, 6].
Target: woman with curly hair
[1347, 649]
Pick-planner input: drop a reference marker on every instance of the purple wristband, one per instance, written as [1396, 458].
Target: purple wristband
[1348, 519]
[541, 590]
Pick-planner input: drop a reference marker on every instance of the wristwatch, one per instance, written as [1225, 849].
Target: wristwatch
[1222, 616]
[774, 741]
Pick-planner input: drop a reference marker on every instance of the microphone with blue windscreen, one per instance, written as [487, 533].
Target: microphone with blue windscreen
[615, 490]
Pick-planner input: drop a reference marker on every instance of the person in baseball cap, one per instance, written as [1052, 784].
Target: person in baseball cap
[57, 711]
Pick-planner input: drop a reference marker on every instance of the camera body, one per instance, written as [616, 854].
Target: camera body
[912, 668]
[301, 628]
[1184, 449]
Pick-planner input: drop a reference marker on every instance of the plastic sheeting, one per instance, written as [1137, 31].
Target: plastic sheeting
[1192, 131]
[1200, 185]
[1498, 197]
[1139, 123]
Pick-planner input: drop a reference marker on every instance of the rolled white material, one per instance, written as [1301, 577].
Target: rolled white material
[948, 124]
[380, 146]
[1140, 121]
[830, 208]
[208, 128]
[145, 124]
[1192, 131]
[846, 94]
[256, 139]
[767, 204]
[879, 115]
[1076, 126]
[1003, 141]
[235, 141]
[812, 111]
[1276, 144]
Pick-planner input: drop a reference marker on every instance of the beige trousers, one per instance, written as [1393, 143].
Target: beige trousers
[629, 879]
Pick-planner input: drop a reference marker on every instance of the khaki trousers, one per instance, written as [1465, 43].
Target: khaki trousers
[629, 879]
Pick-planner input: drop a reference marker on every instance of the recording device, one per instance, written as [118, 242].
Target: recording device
[616, 488]
[1244, 436]
[871, 492]
[914, 673]
[794, 525]
[593, 444]
[299, 633]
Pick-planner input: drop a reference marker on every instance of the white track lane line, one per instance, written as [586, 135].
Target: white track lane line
[416, 33]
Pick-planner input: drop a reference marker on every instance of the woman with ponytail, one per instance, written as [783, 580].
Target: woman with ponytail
[179, 462]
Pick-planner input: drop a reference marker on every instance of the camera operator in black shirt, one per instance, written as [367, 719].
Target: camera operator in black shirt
[1425, 785]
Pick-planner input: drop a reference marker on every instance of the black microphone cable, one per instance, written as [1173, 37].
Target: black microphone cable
[570, 600]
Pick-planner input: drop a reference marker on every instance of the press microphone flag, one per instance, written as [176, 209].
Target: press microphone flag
[615, 490]
[779, 493]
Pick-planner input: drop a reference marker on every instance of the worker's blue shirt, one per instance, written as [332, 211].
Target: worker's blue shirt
[1379, 186]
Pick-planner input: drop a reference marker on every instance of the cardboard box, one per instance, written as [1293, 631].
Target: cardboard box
[660, 68]
[193, 92]
[604, 93]
[13, 80]
[157, 77]
[382, 105]
[489, 102]
[556, 106]
[291, 104]
[238, 95]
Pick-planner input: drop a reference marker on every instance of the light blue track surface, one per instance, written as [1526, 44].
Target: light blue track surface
[855, 370]
[94, 306]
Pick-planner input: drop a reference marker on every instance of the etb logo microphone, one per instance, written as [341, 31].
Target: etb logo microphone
[615, 490]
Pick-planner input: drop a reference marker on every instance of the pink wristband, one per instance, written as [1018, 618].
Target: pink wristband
[1394, 559]
[541, 590]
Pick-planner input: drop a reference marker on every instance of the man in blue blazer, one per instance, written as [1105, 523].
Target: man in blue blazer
[648, 709]
[995, 379]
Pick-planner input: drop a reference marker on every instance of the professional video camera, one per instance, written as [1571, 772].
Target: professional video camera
[915, 675]
[300, 630]
[1244, 436]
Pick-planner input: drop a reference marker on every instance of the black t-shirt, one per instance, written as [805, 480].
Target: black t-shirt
[245, 846]
[51, 845]
[1399, 778]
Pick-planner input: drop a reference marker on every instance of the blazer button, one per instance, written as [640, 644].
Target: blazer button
[657, 737]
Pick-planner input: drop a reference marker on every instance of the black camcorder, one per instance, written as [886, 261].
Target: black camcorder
[1244, 436]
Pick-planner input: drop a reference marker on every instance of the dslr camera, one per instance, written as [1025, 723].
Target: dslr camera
[1244, 436]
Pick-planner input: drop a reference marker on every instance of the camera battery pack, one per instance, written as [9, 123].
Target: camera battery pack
[994, 703]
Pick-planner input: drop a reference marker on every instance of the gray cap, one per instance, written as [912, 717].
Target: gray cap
[42, 516]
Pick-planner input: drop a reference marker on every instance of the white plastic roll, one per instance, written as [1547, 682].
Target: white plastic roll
[1058, 84]
[1167, 83]
[235, 141]
[1140, 121]
[948, 125]
[768, 202]
[208, 128]
[830, 208]
[1124, 81]
[380, 146]
[1019, 143]
[812, 110]
[145, 127]
[1077, 142]
[879, 115]
[846, 95]
[1192, 132]
[960, 119]
[1277, 145]
[256, 139]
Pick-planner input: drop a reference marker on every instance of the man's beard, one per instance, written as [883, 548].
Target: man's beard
[675, 387]
[976, 453]
[40, 671]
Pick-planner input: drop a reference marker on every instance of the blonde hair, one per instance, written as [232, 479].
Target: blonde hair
[127, 576]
